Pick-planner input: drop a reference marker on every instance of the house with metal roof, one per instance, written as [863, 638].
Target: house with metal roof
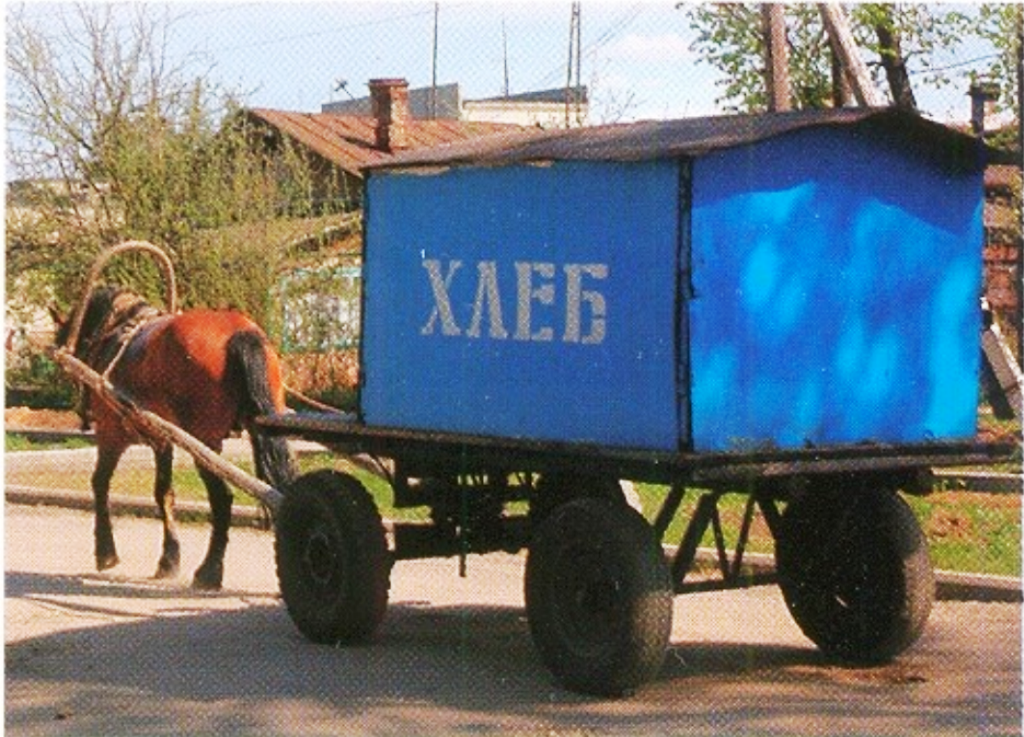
[319, 297]
[339, 146]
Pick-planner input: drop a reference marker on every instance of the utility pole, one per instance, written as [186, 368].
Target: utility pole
[578, 93]
[1020, 148]
[1020, 83]
[777, 52]
[433, 74]
[572, 95]
[842, 42]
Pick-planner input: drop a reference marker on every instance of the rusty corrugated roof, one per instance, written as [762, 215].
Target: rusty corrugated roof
[689, 137]
[349, 140]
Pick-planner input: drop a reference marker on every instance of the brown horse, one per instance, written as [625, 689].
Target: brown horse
[208, 372]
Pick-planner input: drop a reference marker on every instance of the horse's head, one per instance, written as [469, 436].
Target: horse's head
[107, 307]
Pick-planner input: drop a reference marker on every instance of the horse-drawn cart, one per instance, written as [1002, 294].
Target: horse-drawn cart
[784, 307]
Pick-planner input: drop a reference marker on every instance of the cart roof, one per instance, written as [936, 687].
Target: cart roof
[691, 137]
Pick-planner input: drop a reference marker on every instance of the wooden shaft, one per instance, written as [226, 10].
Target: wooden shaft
[777, 67]
[842, 41]
[155, 428]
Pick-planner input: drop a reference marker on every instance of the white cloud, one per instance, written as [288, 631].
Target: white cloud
[657, 47]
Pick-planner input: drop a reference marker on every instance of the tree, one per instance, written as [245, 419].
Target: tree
[1002, 24]
[882, 19]
[729, 37]
[113, 139]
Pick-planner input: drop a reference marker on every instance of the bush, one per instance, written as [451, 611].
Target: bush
[38, 383]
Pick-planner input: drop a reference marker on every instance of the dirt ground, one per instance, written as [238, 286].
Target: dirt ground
[40, 419]
[119, 653]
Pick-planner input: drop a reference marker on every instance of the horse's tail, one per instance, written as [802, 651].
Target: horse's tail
[247, 369]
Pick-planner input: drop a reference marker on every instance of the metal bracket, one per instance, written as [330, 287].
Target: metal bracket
[705, 516]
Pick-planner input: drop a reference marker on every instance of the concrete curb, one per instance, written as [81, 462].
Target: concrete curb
[944, 478]
[950, 585]
[129, 506]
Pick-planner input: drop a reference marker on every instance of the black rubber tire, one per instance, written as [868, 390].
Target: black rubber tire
[598, 597]
[333, 564]
[855, 572]
[555, 489]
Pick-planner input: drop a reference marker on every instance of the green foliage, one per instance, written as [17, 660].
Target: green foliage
[117, 142]
[729, 37]
[922, 31]
[966, 531]
[1002, 24]
[36, 381]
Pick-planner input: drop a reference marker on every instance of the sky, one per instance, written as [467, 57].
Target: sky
[636, 56]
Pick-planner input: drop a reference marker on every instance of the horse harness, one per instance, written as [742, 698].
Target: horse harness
[128, 316]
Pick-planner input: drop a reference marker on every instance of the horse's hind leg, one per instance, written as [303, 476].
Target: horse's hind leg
[210, 574]
[106, 463]
[171, 558]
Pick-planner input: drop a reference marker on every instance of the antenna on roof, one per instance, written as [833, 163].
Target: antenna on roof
[504, 48]
[341, 85]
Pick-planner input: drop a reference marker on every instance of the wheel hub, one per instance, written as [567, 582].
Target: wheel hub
[319, 558]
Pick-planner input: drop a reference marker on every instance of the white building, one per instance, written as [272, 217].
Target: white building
[555, 108]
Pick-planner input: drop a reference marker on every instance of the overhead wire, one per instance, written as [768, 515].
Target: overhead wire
[329, 31]
[614, 29]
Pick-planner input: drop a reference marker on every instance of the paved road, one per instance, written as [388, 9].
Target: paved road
[117, 653]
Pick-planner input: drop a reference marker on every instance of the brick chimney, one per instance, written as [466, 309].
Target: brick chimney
[390, 105]
[983, 99]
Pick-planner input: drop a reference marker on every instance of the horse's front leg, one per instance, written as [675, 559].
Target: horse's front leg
[106, 463]
[210, 574]
[171, 558]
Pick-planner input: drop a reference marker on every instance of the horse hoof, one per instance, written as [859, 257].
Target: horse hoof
[200, 584]
[207, 580]
[166, 570]
[105, 562]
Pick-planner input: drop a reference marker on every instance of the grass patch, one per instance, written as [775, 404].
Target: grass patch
[731, 508]
[188, 486]
[14, 442]
[980, 533]
[971, 532]
[127, 480]
[989, 424]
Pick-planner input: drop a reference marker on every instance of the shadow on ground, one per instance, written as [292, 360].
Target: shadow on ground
[188, 667]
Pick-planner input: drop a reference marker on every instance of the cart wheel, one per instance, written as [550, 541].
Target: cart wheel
[333, 564]
[555, 489]
[855, 572]
[598, 597]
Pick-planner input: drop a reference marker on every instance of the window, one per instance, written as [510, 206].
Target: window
[321, 309]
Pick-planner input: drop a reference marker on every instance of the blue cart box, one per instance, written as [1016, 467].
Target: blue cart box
[732, 283]
[783, 307]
